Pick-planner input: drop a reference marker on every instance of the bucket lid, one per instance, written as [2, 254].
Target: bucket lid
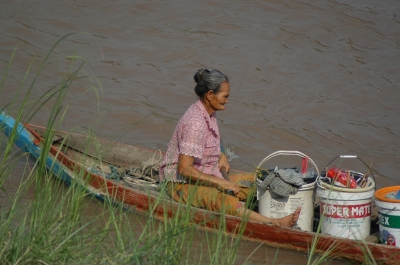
[382, 193]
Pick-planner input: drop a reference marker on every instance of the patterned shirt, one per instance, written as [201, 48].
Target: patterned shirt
[196, 135]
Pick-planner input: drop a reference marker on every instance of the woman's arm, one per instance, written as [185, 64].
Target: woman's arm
[223, 162]
[186, 168]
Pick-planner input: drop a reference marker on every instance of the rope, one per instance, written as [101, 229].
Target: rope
[139, 183]
[152, 164]
[144, 176]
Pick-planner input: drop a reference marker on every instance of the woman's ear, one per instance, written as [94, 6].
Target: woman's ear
[209, 95]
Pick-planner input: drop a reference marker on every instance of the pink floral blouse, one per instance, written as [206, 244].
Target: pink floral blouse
[196, 135]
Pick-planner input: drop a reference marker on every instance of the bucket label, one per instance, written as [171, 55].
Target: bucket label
[346, 211]
[277, 205]
[391, 221]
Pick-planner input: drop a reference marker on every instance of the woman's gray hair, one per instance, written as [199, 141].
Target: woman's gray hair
[208, 80]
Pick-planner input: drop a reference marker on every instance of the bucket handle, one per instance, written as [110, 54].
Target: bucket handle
[289, 153]
[354, 156]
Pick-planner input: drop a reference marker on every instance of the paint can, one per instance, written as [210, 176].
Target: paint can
[277, 207]
[346, 212]
[389, 216]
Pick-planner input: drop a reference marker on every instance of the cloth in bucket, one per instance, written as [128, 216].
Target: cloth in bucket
[282, 182]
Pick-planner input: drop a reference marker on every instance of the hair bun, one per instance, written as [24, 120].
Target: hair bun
[199, 75]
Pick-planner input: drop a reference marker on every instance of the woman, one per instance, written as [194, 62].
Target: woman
[193, 159]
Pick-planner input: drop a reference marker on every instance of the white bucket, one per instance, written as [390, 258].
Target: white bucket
[389, 222]
[345, 214]
[282, 206]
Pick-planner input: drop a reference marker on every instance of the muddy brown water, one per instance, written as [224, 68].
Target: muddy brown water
[319, 77]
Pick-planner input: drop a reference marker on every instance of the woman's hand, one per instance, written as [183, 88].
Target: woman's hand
[228, 185]
[223, 162]
[186, 168]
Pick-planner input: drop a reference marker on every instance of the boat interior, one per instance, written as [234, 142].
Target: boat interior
[136, 167]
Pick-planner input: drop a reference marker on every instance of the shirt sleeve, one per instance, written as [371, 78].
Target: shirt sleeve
[192, 137]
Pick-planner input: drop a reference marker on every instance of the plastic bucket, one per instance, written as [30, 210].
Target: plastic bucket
[277, 207]
[389, 216]
[346, 214]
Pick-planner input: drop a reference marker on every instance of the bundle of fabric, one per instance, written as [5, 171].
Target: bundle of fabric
[281, 182]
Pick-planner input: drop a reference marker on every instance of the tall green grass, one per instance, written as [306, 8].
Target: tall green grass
[53, 226]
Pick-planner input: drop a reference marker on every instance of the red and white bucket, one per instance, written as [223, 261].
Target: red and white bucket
[346, 214]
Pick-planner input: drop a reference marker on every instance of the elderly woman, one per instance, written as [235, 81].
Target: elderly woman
[193, 159]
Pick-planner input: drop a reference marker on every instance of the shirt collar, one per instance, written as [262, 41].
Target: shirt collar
[210, 119]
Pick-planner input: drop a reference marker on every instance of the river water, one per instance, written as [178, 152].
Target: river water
[319, 77]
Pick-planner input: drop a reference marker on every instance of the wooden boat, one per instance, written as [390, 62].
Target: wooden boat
[95, 159]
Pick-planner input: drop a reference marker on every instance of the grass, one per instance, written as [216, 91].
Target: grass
[53, 227]
[61, 224]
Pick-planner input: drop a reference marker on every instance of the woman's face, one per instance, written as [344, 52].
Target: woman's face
[218, 101]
